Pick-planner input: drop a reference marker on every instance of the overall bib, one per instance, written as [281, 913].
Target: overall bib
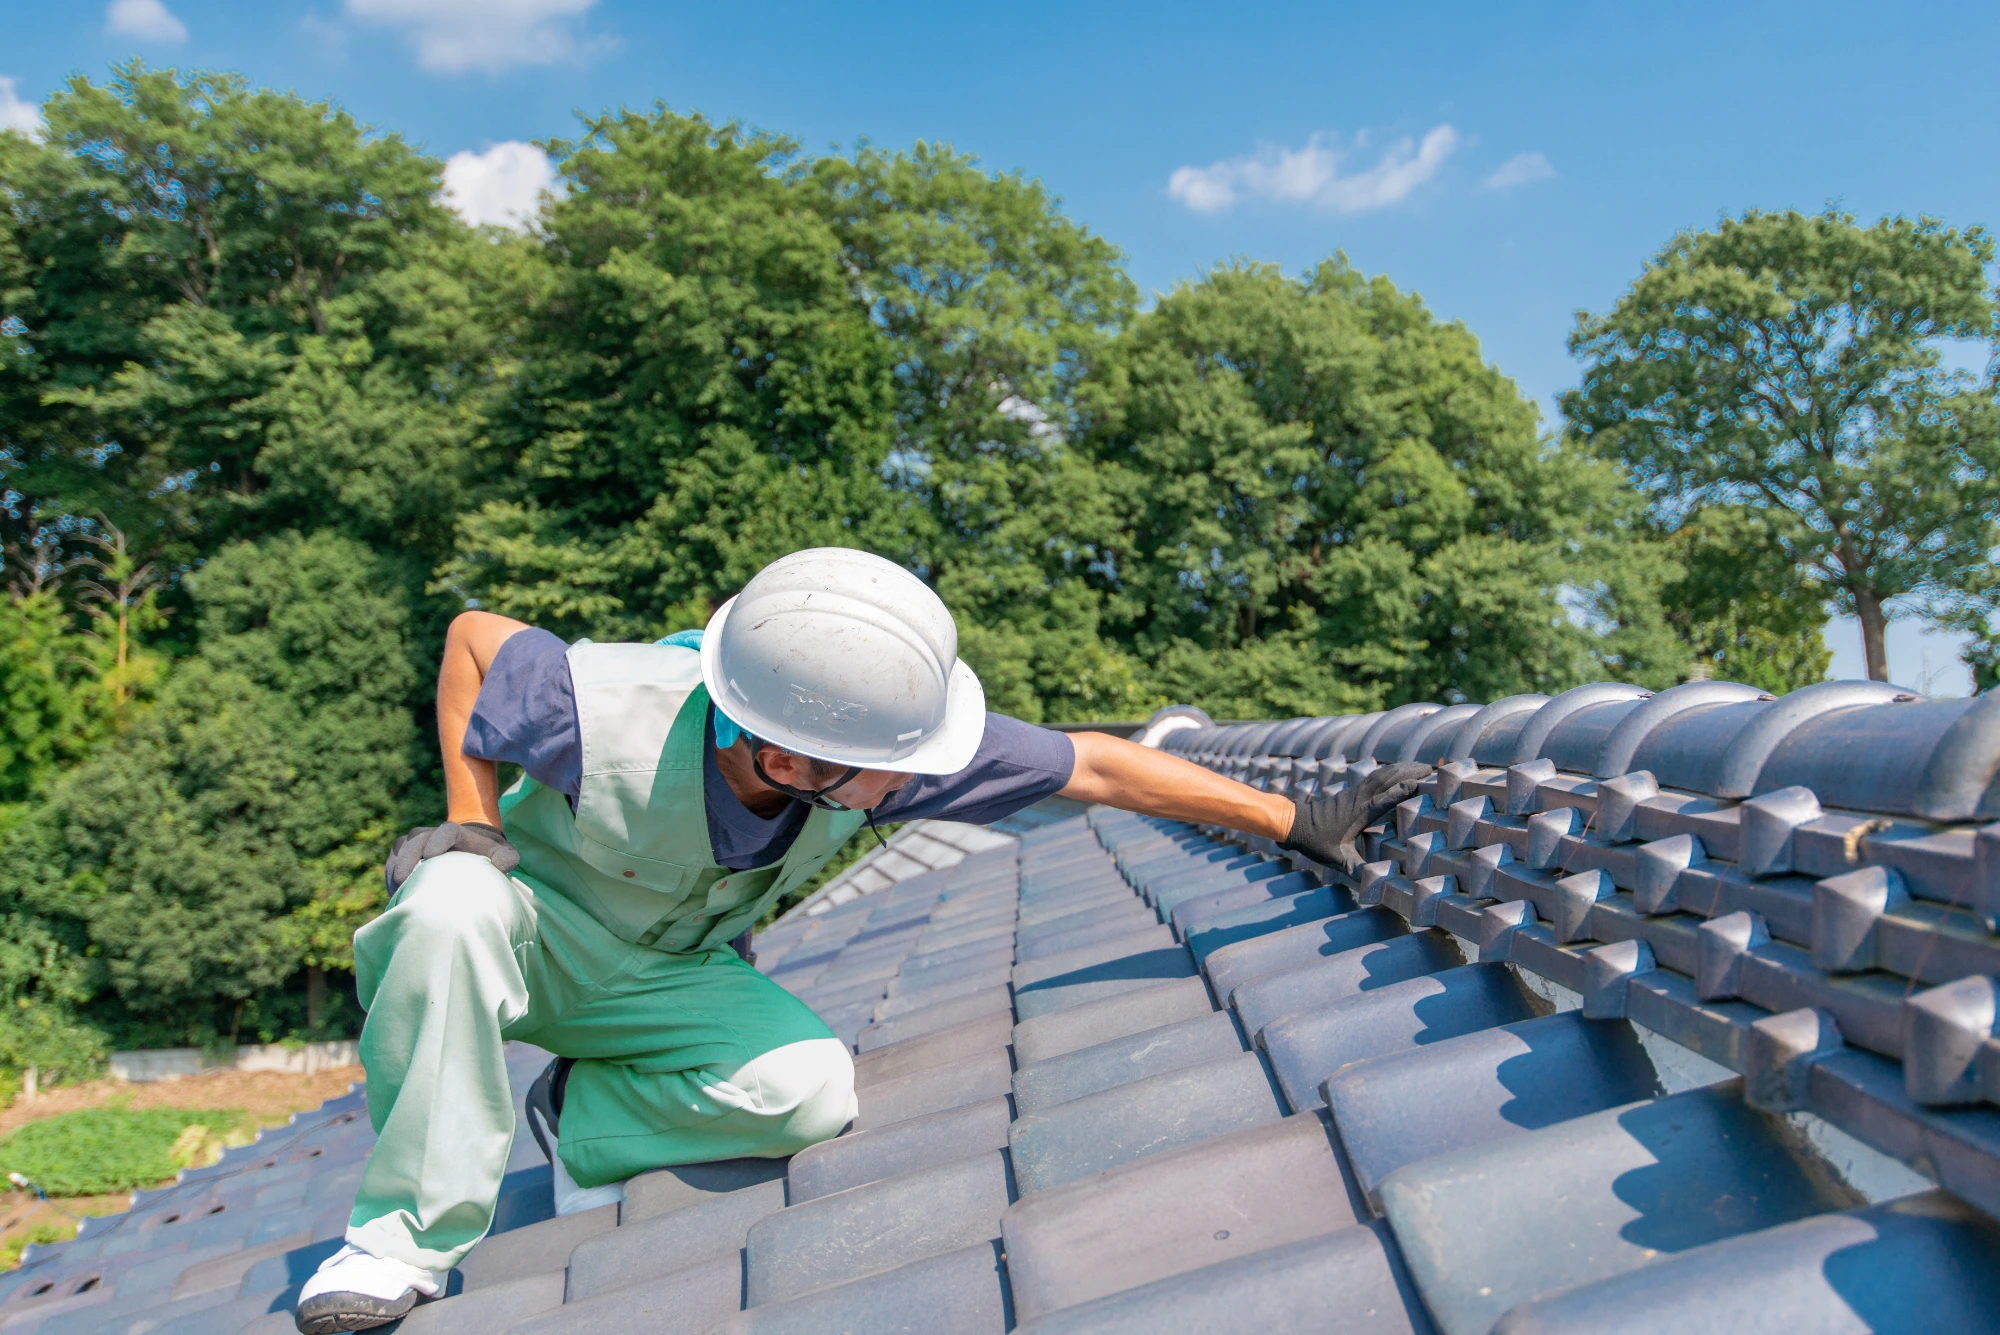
[608, 944]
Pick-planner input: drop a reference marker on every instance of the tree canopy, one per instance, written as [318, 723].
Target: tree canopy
[1790, 364]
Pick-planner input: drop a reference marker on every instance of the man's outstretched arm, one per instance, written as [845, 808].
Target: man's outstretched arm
[1123, 774]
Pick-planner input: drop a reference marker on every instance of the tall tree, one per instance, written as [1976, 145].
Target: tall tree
[1336, 503]
[997, 308]
[1790, 362]
[202, 857]
[700, 393]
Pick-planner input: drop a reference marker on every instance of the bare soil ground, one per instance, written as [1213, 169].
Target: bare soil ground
[268, 1097]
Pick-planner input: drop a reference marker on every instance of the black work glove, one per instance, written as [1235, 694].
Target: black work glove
[1325, 827]
[429, 841]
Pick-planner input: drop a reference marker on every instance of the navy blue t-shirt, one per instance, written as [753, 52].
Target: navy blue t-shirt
[526, 714]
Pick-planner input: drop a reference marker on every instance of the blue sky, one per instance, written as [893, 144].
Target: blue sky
[1511, 163]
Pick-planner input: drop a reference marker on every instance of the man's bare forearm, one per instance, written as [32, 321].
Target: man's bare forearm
[471, 786]
[1154, 783]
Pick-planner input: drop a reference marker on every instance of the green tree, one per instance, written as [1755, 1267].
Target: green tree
[997, 309]
[1746, 610]
[1334, 503]
[200, 852]
[700, 390]
[1789, 363]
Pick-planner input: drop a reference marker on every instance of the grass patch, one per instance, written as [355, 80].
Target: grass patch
[40, 1234]
[100, 1150]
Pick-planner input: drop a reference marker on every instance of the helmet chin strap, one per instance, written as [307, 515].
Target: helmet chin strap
[815, 797]
[812, 797]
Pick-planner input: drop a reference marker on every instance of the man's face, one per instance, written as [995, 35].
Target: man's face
[864, 791]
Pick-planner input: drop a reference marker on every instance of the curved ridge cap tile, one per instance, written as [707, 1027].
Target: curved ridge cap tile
[1333, 744]
[1258, 735]
[1472, 729]
[1305, 745]
[1963, 765]
[1400, 714]
[1738, 767]
[1446, 719]
[1615, 758]
[1285, 741]
[1529, 745]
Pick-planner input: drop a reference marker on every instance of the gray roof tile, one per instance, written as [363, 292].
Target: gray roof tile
[944, 1015]
[1594, 1197]
[666, 1190]
[1129, 1012]
[1190, 910]
[973, 1079]
[962, 1292]
[1495, 1085]
[687, 1300]
[1224, 928]
[1325, 981]
[535, 1249]
[918, 1142]
[1131, 917]
[1922, 1263]
[1244, 961]
[631, 1253]
[992, 1030]
[1103, 969]
[479, 1313]
[1180, 1210]
[1103, 1130]
[1344, 1283]
[1307, 1047]
[1122, 1060]
[832, 1239]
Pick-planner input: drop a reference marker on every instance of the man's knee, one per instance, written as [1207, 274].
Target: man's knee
[450, 902]
[808, 1086]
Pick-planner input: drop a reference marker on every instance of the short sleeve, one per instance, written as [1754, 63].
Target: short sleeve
[1016, 766]
[526, 712]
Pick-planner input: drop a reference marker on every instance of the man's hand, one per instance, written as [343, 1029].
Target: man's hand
[429, 841]
[1325, 828]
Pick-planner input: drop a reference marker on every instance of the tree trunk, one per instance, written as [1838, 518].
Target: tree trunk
[1874, 622]
[315, 997]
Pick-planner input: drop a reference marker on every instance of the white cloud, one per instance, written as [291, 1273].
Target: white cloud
[1520, 169]
[453, 36]
[146, 20]
[500, 185]
[1312, 175]
[16, 112]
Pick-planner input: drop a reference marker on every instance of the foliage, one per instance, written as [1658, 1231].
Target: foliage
[1332, 503]
[100, 1150]
[1748, 612]
[206, 850]
[1790, 364]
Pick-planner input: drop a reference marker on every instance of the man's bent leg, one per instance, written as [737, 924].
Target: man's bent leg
[440, 977]
[732, 1066]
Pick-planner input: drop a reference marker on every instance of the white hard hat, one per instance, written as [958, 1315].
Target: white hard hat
[840, 655]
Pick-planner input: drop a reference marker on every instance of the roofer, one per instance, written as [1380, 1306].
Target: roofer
[673, 792]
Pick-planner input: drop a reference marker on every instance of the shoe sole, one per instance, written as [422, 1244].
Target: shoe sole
[335, 1313]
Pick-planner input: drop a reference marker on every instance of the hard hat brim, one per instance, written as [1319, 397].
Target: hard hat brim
[946, 751]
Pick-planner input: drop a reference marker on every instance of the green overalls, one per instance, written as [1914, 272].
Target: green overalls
[608, 944]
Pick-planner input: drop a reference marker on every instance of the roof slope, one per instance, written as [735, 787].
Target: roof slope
[1633, 1021]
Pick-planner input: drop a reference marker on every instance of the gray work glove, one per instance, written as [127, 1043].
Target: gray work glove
[429, 841]
[1325, 827]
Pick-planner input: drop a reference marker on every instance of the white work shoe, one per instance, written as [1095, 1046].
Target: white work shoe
[356, 1290]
